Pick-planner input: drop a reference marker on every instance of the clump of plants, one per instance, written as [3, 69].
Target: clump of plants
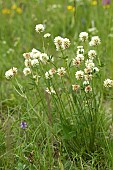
[70, 92]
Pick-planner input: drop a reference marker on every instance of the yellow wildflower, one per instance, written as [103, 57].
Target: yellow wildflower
[14, 7]
[19, 10]
[6, 11]
[94, 3]
[70, 8]
[106, 6]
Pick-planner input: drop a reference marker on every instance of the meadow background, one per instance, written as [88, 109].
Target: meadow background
[41, 145]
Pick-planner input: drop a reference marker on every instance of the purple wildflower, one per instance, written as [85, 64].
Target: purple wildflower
[23, 125]
[106, 2]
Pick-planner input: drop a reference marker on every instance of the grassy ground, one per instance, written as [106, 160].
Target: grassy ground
[49, 143]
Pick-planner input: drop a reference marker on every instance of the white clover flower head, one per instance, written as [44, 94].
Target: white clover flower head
[80, 57]
[85, 83]
[61, 43]
[44, 58]
[66, 43]
[95, 40]
[83, 36]
[88, 89]
[34, 62]
[79, 74]
[27, 62]
[11, 73]
[61, 71]
[48, 75]
[47, 35]
[92, 54]
[27, 71]
[88, 70]
[108, 83]
[89, 63]
[95, 69]
[39, 28]
[52, 71]
[88, 77]
[58, 41]
[26, 55]
[76, 62]
[50, 90]
[75, 87]
[35, 53]
[80, 50]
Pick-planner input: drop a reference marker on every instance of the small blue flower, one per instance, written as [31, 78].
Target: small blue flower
[23, 125]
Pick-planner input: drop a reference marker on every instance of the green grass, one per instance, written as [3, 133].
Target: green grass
[63, 133]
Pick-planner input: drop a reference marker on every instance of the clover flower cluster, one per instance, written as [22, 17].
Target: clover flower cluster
[84, 75]
[49, 74]
[60, 71]
[90, 69]
[61, 43]
[35, 57]
[95, 40]
[32, 59]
